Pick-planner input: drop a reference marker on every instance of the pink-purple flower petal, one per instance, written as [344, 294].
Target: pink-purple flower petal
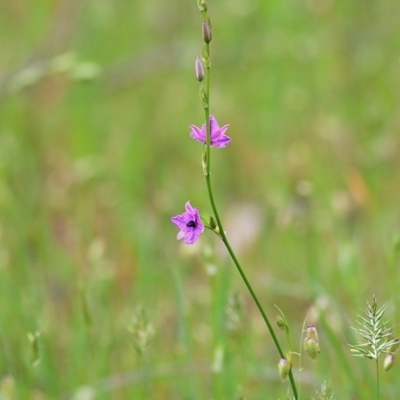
[217, 133]
[189, 223]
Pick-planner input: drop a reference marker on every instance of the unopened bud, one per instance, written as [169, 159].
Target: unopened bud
[213, 224]
[388, 362]
[311, 347]
[284, 368]
[199, 69]
[203, 97]
[204, 163]
[207, 36]
[311, 342]
[281, 323]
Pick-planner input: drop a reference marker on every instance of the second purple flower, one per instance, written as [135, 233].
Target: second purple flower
[217, 133]
[189, 223]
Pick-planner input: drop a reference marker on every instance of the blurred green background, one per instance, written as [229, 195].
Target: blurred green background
[97, 298]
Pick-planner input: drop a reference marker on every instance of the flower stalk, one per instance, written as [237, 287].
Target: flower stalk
[221, 232]
[190, 223]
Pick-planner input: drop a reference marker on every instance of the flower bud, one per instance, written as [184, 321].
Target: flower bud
[203, 97]
[388, 362]
[280, 322]
[207, 36]
[311, 342]
[213, 224]
[199, 68]
[284, 368]
[311, 347]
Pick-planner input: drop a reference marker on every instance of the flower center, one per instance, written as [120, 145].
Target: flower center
[191, 224]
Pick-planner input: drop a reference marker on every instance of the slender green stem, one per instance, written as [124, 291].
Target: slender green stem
[222, 231]
[247, 283]
[207, 115]
[377, 380]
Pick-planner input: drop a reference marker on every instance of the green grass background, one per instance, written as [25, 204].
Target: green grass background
[95, 157]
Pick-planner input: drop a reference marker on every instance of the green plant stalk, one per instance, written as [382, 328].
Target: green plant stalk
[222, 232]
[377, 379]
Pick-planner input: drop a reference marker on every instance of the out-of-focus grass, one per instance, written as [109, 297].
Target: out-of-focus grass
[95, 103]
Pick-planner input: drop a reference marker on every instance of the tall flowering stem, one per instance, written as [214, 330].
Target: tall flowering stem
[205, 96]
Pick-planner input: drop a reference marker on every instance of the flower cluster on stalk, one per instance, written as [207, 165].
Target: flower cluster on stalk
[189, 223]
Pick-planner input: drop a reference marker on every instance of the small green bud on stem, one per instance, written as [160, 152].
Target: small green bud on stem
[212, 223]
[282, 324]
[284, 368]
[203, 97]
[311, 342]
[311, 347]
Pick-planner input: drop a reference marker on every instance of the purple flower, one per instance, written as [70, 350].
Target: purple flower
[217, 134]
[189, 223]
